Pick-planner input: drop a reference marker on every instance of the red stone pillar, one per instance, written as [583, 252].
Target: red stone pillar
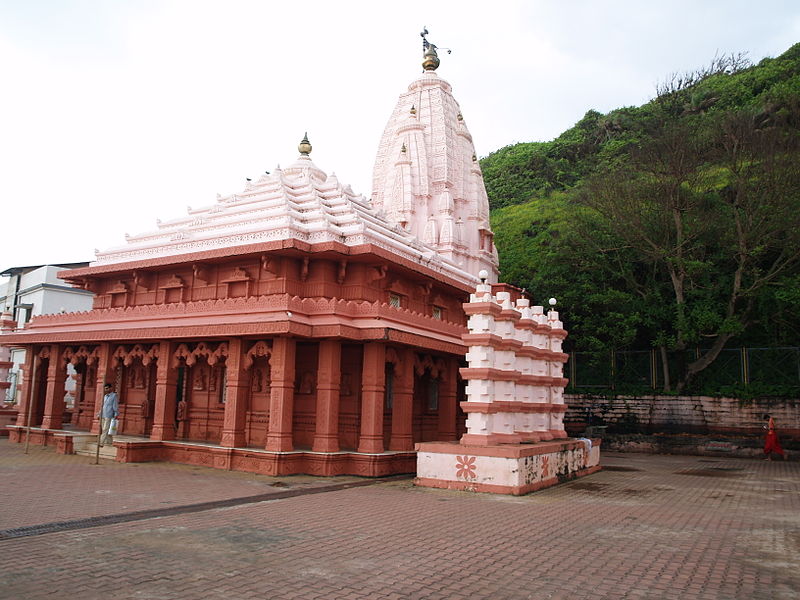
[54, 397]
[166, 389]
[28, 382]
[329, 376]
[236, 396]
[281, 401]
[403, 403]
[105, 374]
[448, 393]
[372, 389]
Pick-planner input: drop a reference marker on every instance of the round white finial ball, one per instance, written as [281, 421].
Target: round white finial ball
[483, 275]
[552, 302]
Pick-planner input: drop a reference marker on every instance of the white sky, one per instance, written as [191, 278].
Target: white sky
[113, 113]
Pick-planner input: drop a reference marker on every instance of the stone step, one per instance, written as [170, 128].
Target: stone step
[90, 449]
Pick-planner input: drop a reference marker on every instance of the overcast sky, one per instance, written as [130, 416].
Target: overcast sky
[114, 114]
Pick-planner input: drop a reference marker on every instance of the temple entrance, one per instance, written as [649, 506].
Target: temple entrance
[137, 397]
[425, 424]
[200, 391]
[84, 361]
[304, 421]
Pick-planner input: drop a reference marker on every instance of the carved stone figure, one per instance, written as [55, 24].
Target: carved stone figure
[199, 378]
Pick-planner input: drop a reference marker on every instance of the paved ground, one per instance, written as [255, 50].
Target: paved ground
[646, 527]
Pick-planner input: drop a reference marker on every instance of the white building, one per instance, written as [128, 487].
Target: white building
[34, 290]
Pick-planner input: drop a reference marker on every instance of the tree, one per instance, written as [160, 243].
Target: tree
[713, 204]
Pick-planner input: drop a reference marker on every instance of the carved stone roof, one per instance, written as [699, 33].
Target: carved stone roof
[300, 202]
[427, 178]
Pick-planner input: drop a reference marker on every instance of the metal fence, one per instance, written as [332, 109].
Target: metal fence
[643, 368]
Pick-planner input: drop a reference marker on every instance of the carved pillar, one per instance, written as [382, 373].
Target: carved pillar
[236, 396]
[329, 377]
[372, 388]
[105, 374]
[448, 393]
[54, 398]
[28, 382]
[166, 389]
[403, 403]
[281, 401]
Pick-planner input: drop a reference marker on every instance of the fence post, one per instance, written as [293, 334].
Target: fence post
[573, 370]
[745, 367]
[653, 369]
[613, 370]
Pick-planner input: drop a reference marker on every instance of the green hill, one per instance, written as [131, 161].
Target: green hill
[524, 171]
[672, 225]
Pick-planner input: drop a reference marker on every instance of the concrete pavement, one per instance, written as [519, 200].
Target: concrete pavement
[645, 527]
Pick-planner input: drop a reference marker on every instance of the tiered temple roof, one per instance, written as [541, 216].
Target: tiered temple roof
[300, 202]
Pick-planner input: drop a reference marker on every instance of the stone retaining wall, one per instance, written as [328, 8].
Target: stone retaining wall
[681, 415]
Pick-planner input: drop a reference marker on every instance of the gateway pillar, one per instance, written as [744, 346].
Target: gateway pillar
[236, 395]
[54, 398]
[166, 390]
[373, 385]
[281, 401]
[328, 384]
[403, 403]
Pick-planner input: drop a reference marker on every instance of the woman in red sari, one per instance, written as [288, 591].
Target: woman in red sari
[771, 443]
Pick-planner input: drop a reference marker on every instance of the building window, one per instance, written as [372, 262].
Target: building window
[395, 300]
[437, 313]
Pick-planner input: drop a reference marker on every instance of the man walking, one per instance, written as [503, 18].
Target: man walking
[109, 411]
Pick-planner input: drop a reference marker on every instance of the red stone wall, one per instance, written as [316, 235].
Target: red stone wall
[263, 276]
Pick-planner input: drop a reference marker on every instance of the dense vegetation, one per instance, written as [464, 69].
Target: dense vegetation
[673, 225]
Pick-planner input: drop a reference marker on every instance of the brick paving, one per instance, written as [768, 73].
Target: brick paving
[646, 527]
[81, 489]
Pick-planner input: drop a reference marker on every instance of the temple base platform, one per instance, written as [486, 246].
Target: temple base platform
[514, 469]
[132, 449]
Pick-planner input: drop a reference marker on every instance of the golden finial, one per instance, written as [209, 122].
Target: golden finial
[474, 158]
[403, 148]
[305, 145]
[430, 58]
[413, 110]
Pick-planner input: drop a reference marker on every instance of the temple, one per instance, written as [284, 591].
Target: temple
[292, 327]
[298, 327]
